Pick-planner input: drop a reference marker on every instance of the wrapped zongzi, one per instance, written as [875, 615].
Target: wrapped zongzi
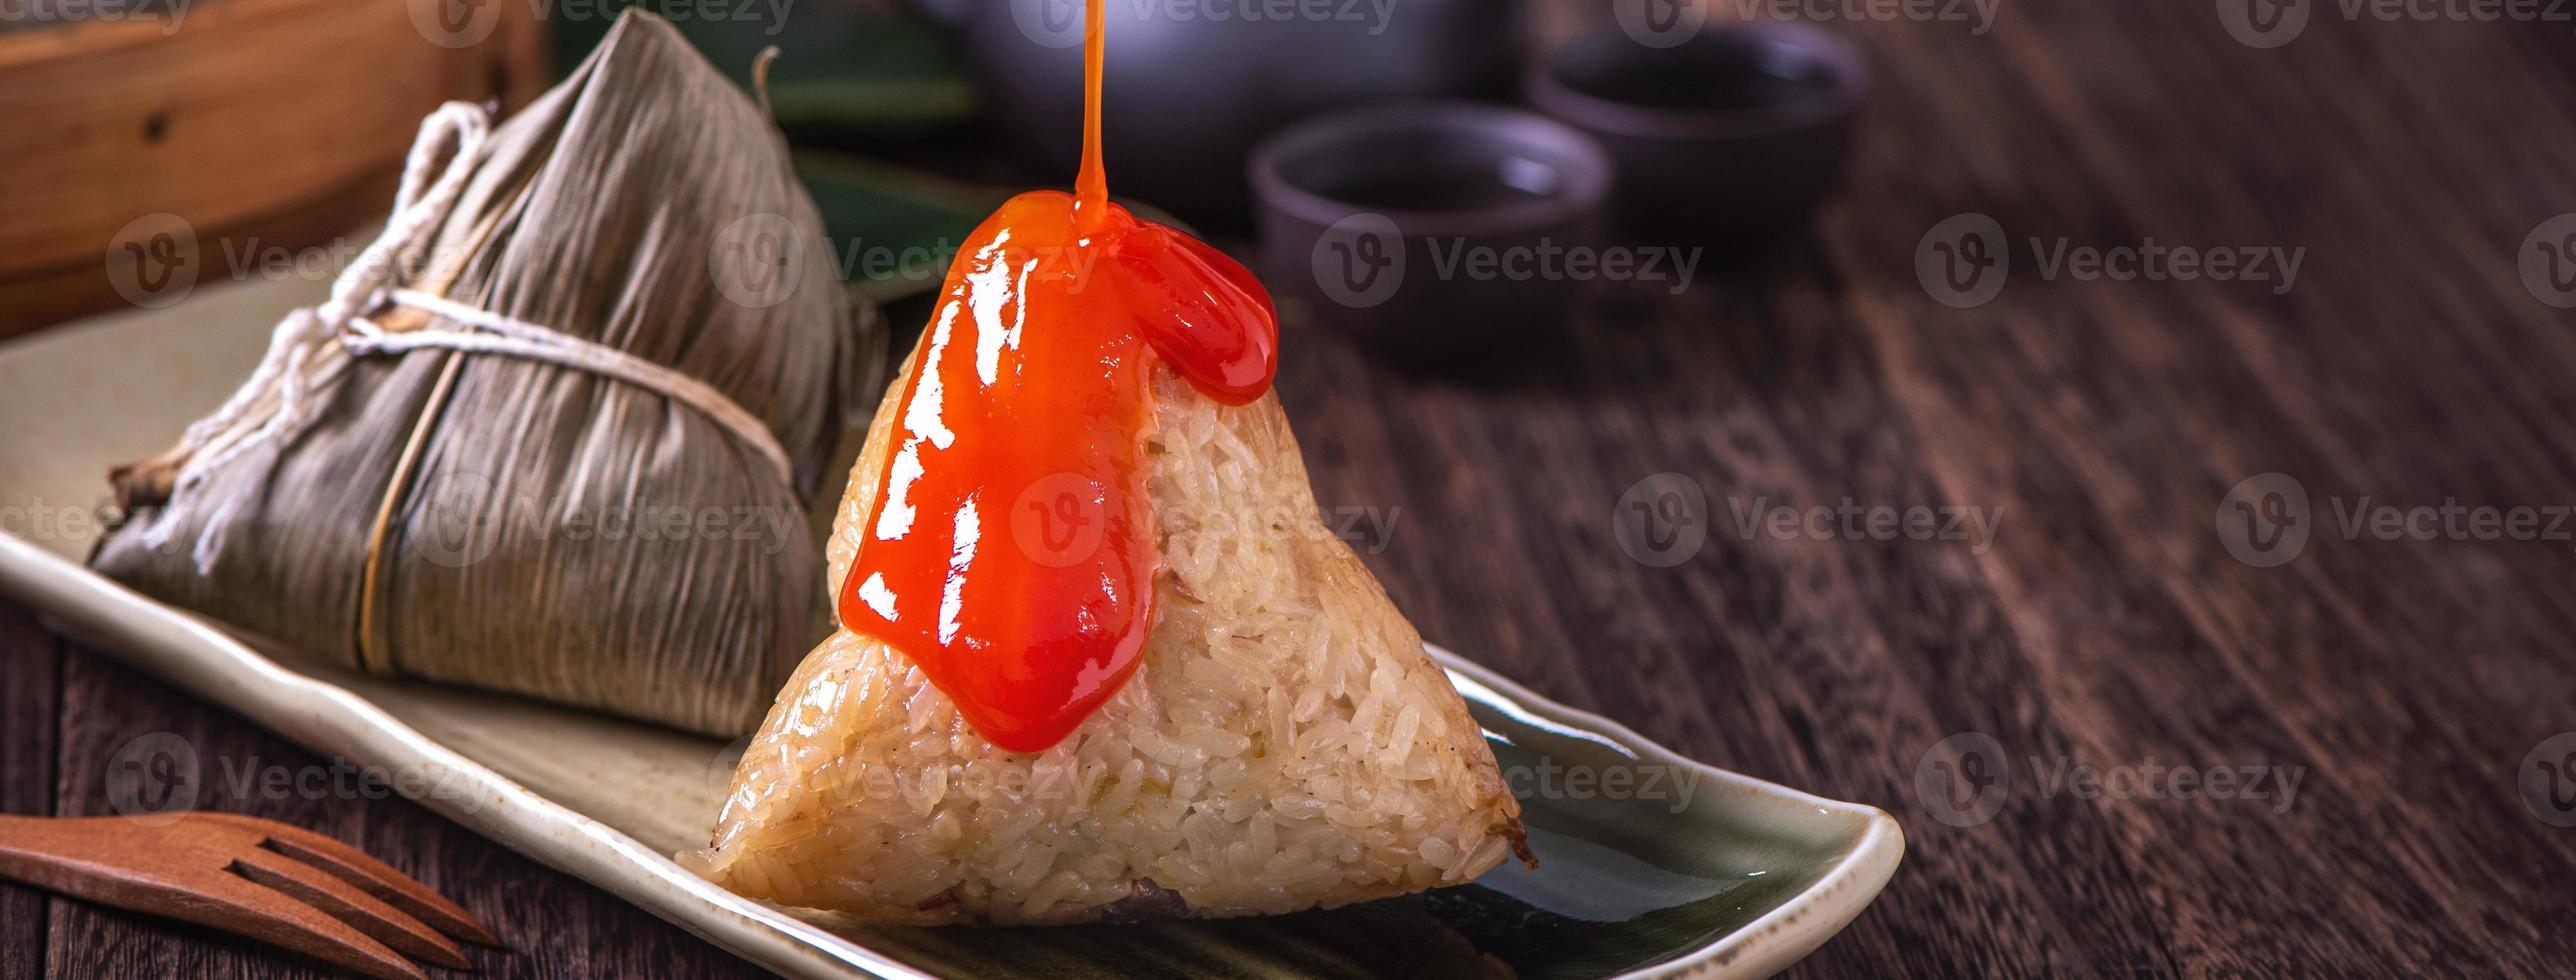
[554, 432]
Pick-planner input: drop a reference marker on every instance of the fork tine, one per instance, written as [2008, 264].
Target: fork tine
[240, 906]
[346, 903]
[374, 877]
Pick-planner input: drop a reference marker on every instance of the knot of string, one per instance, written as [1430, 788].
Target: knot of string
[312, 347]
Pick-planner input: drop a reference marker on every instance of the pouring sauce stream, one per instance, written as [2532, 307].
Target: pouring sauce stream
[1012, 550]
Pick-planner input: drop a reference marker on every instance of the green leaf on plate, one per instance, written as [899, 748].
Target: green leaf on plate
[847, 70]
[892, 229]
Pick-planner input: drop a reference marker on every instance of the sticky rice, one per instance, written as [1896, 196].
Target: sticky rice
[1285, 744]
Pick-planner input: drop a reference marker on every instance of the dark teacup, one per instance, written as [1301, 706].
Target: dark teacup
[1727, 136]
[1439, 233]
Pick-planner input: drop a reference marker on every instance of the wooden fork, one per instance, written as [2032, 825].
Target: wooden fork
[257, 878]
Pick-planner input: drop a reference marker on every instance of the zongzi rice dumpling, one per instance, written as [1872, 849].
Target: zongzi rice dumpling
[554, 432]
[1285, 742]
[1098, 658]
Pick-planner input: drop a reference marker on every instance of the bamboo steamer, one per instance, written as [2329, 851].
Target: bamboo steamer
[249, 125]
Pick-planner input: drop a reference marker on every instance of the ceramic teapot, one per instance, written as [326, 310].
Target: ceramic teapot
[1193, 83]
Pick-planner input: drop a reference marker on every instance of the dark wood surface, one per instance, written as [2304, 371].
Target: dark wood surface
[69, 713]
[2106, 623]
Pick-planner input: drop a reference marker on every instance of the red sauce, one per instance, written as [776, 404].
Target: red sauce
[1011, 550]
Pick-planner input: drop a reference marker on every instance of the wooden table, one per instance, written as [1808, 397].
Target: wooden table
[2104, 626]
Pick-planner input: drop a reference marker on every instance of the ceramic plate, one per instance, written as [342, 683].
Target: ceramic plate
[1651, 864]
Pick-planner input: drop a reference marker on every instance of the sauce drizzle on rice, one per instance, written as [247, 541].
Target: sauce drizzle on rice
[1011, 550]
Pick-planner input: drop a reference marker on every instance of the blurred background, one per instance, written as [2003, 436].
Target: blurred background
[283, 124]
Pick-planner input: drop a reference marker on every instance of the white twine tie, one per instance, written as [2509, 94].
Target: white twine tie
[312, 347]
